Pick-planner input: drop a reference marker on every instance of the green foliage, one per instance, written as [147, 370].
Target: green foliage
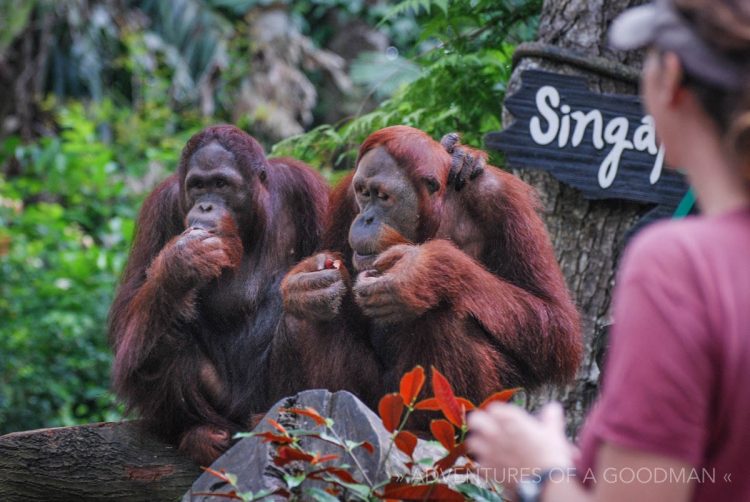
[467, 26]
[64, 250]
[313, 16]
[383, 74]
[65, 229]
[460, 88]
[196, 29]
[15, 17]
[457, 93]
[91, 43]
[416, 6]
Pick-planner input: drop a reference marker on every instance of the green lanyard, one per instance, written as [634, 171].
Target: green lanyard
[685, 205]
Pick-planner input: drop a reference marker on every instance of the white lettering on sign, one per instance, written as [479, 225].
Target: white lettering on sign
[556, 122]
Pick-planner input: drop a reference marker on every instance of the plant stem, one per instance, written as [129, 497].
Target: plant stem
[462, 436]
[401, 426]
[351, 454]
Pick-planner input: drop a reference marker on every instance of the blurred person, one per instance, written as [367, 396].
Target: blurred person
[673, 419]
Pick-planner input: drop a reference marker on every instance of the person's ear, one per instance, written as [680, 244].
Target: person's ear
[672, 79]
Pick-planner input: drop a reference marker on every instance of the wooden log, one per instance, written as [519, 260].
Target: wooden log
[103, 461]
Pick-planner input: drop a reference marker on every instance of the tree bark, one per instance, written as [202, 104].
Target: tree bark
[106, 461]
[588, 235]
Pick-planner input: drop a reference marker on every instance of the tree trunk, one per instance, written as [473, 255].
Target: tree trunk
[107, 461]
[588, 235]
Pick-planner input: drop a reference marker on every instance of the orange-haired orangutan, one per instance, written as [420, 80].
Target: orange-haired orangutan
[199, 306]
[416, 271]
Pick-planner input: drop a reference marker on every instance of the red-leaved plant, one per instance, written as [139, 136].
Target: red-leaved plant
[425, 479]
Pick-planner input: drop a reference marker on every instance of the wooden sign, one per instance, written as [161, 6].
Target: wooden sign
[602, 144]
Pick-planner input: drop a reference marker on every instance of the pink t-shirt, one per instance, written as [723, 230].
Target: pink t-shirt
[677, 378]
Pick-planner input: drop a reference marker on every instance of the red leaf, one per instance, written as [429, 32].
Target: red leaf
[429, 404]
[468, 405]
[325, 458]
[443, 431]
[411, 385]
[400, 491]
[450, 459]
[501, 397]
[368, 446]
[270, 437]
[287, 454]
[308, 412]
[449, 405]
[390, 409]
[278, 426]
[406, 442]
[340, 473]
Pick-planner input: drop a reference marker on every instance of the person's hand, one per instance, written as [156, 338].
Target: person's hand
[513, 442]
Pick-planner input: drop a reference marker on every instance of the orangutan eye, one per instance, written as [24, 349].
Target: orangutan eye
[220, 183]
[432, 185]
[382, 196]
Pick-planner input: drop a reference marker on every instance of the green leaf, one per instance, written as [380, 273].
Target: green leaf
[260, 495]
[232, 478]
[320, 495]
[294, 480]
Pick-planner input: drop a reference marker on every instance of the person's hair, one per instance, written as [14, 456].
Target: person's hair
[725, 26]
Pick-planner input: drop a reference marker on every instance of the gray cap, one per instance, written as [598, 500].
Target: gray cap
[658, 24]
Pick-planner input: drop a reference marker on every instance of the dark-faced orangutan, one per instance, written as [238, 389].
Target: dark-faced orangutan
[199, 303]
[416, 271]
